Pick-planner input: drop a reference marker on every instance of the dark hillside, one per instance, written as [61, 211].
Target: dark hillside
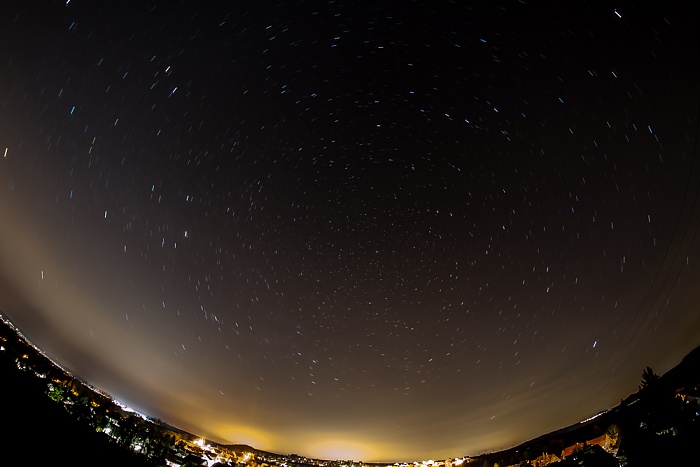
[36, 430]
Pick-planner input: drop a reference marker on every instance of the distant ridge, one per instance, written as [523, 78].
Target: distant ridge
[242, 448]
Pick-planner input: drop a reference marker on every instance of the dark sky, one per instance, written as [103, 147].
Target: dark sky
[373, 230]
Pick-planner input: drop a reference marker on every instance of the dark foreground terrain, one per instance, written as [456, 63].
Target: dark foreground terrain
[38, 431]
[659, 425]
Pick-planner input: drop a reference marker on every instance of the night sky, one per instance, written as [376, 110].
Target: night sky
[386, 231]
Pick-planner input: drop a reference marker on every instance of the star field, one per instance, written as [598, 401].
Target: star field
[391, 232]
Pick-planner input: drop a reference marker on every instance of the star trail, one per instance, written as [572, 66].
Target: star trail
[383, 231]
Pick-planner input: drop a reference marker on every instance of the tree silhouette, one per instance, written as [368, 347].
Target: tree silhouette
[613, 432]
[649, 380]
